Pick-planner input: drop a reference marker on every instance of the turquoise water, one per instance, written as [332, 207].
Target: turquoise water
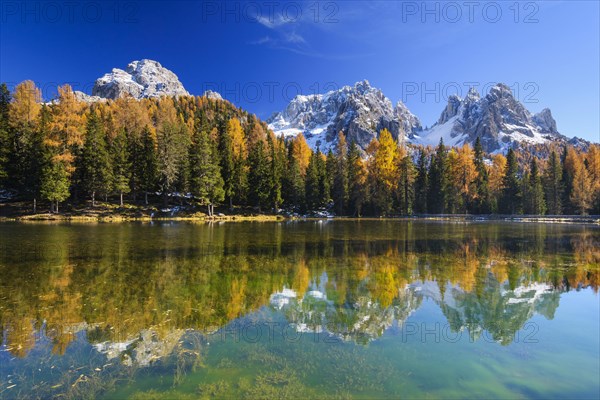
[327, 309]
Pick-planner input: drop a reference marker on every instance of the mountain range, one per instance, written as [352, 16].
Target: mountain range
[361, 111]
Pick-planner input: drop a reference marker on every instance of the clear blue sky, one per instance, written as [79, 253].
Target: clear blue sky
[259, 54]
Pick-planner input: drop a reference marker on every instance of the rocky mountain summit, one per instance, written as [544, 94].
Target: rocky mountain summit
[498, 119]
[360, 111]
[141, 79]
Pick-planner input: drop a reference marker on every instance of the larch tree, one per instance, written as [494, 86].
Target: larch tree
[496, 176]
[357, 181]
[385, 172]
[582, 189]
[593, 164]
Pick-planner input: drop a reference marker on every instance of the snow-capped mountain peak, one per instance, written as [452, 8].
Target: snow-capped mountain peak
[360, 111]
[498, 119]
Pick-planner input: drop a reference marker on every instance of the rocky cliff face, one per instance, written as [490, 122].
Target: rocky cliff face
[360, 111]
[141, 79]
[498, 119]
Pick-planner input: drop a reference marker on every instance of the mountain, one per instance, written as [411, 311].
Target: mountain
[360, 111]
[498, 119]
[141, 79]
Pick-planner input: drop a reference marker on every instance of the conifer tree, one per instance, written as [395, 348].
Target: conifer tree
[5, 147]
[146, 163]
[95, 161]
[511, 193]
[227, 161]
[581, 190]
[438, 180]
[259, 178]
[406, 187]
[120, 163]
[482, 191]
[55, 184]
[206, 182]
[553, 184]
[312, 190]
[421, 183]
[357, 181]
[339, 192]
[276, 170]
[535, 194]
[293, 185]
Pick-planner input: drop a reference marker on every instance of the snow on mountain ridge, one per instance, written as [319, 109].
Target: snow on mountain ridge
[360, 111]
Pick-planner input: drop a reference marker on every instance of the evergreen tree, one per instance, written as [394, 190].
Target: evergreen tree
[406, 187]
[146, 164]
[339, 191]
[293, 185]
[438, 180]
[206, 182]
[5, 147]
[172, 145]
[534, 200]
[119, 152]
[511, 193]
[553, 184]
[357, 181]
[482, 190]
[55, 184]
[276, 170]
[95, 161]
[259, 178]
[227, 163]
[421, 183]
[312, 190]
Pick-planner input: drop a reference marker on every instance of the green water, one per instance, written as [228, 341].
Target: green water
[316, 309]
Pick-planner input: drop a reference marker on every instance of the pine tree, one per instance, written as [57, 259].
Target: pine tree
[259, 178]
[553, 184]
[120, 163]
[482, 191]
[146, 163]
[339, 192]
[95, 161]
[406, 187]
[293, 185]
[276, 149]
[5, 147]
[511, 193]
[312, 190]
[206, 182]
[227, 161]
[172, 145]
[535, 195]
[357, 181]
[421, 183]
[55, 184]
[438, 180]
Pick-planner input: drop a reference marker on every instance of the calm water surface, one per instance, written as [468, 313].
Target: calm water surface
[370, 309]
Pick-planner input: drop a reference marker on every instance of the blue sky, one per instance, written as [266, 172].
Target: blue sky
[259, 54]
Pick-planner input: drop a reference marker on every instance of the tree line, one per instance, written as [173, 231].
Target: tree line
[207, 152]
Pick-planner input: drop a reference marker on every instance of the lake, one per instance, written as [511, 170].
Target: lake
[299, 309]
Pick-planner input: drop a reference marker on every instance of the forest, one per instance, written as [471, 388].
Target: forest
[206, 153]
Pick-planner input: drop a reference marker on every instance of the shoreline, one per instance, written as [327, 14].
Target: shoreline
[117, 218]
